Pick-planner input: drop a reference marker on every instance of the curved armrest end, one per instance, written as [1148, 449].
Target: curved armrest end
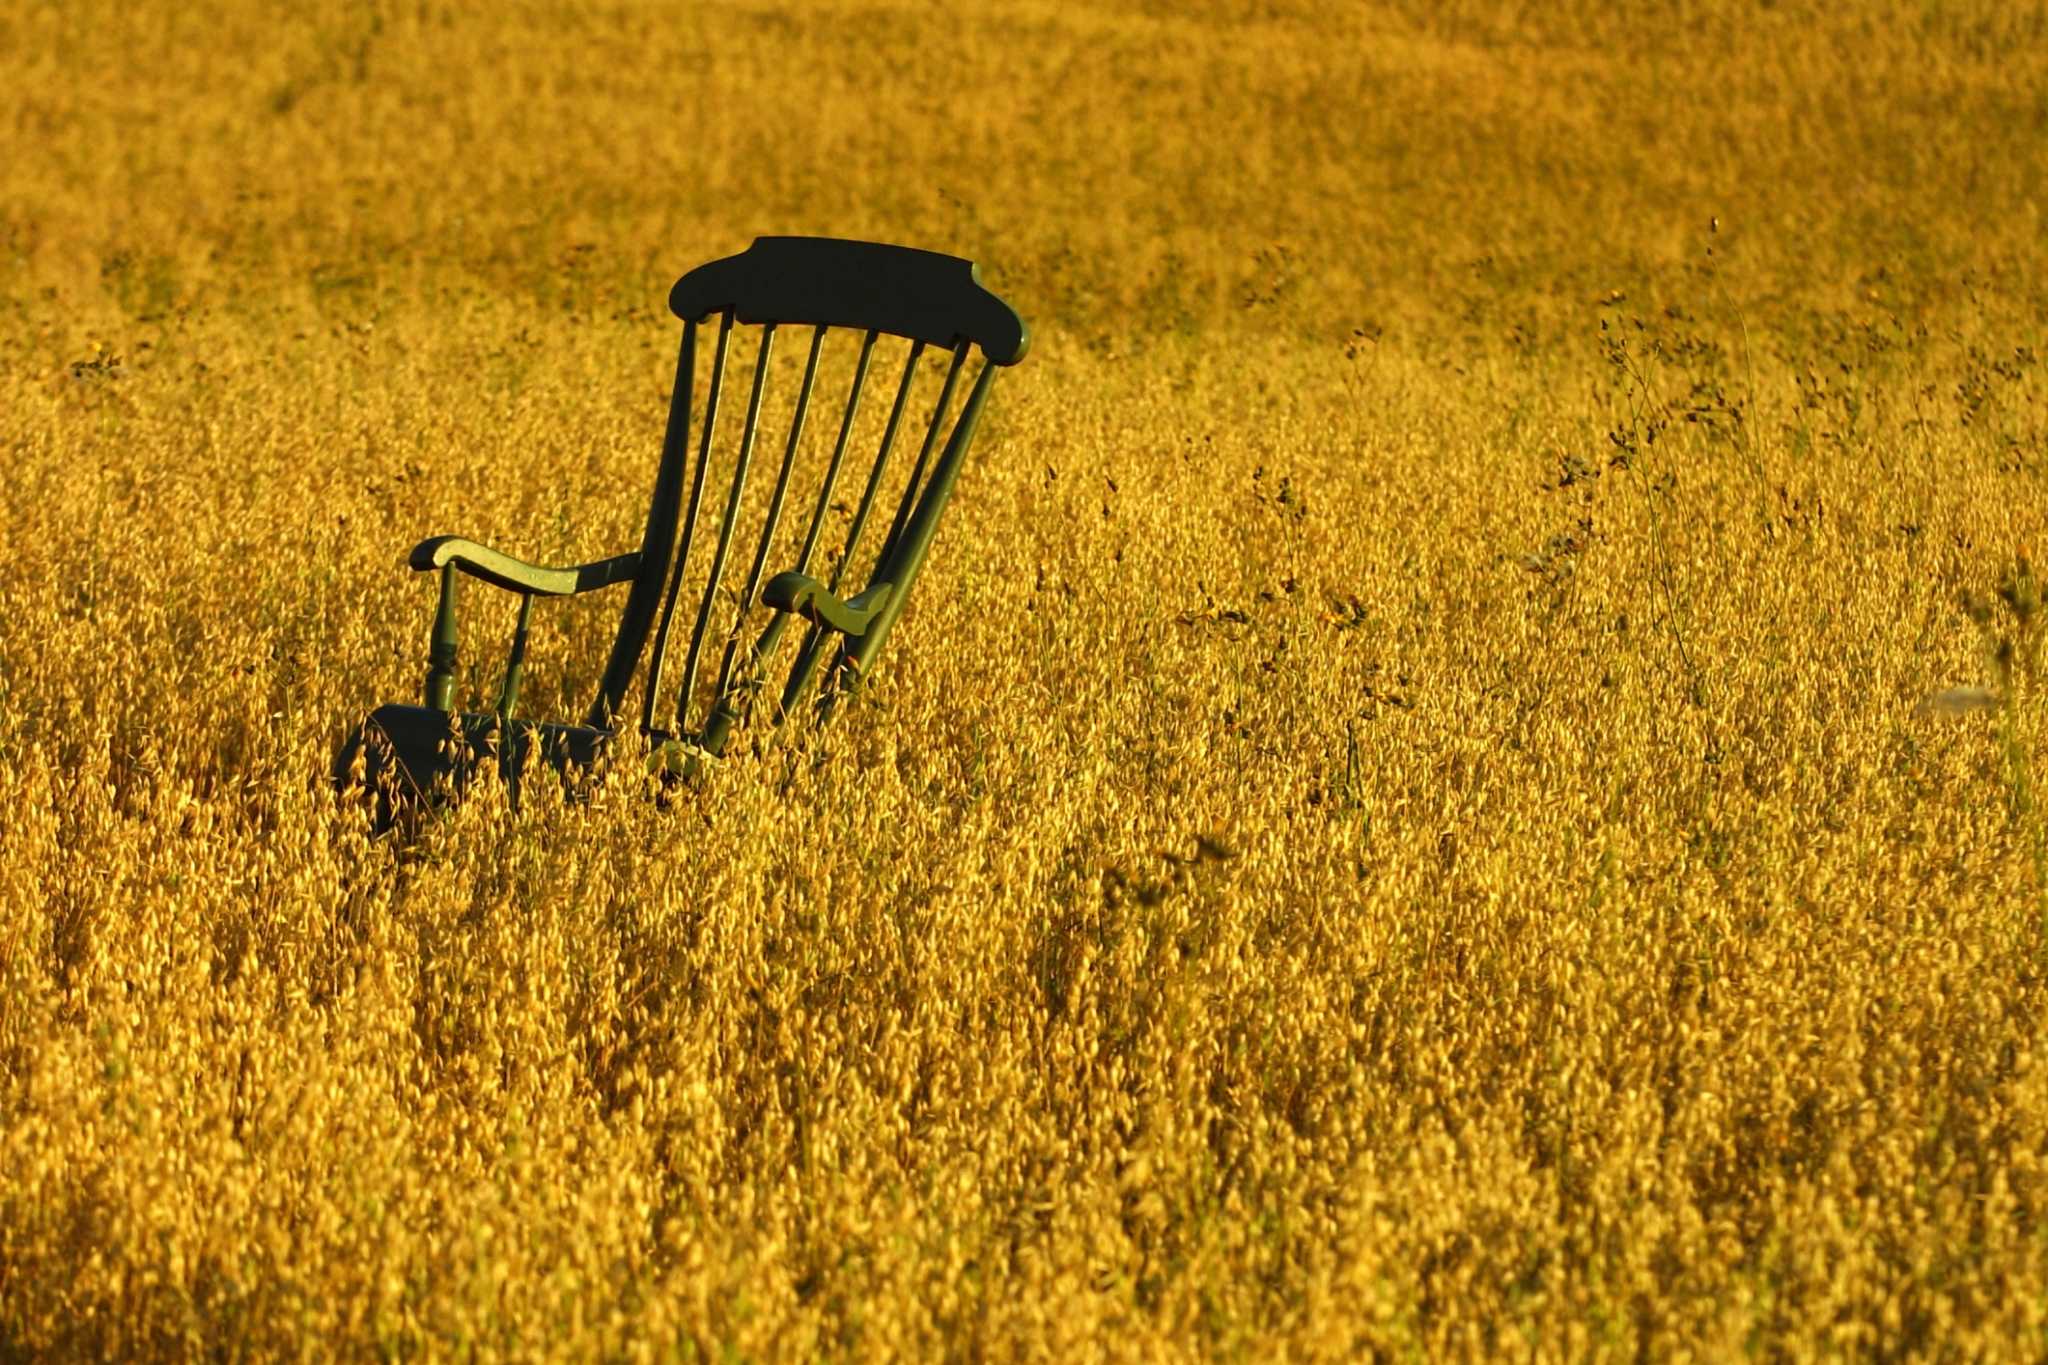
[807, 597]
[516, 575]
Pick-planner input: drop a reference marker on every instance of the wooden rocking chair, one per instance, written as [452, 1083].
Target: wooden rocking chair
[937, 305]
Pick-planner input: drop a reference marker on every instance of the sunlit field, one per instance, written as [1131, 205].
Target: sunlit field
[1465, 778]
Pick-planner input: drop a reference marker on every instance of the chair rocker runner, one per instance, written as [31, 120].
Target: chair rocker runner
[741, 630]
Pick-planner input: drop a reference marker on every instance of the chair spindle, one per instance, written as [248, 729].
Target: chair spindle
[924, 455]
[771, 636]
[515, 660]
[657, 542]
[867, 497]
[682, 563]
[725, 526]
[726, 707]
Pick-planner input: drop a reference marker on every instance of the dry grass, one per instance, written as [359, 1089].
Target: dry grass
[1402, 820]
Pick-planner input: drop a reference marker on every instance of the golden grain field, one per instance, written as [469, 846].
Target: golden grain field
[1464, 780]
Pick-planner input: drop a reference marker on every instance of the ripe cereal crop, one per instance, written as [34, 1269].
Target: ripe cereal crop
[1464, 779]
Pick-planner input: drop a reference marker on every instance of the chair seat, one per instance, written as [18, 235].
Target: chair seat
[422, 749]
[414, 753]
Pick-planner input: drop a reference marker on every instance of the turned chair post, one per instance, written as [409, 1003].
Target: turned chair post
[441, 648]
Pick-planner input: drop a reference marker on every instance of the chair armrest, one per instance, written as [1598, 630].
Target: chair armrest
[808, 598]
[516, 575]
